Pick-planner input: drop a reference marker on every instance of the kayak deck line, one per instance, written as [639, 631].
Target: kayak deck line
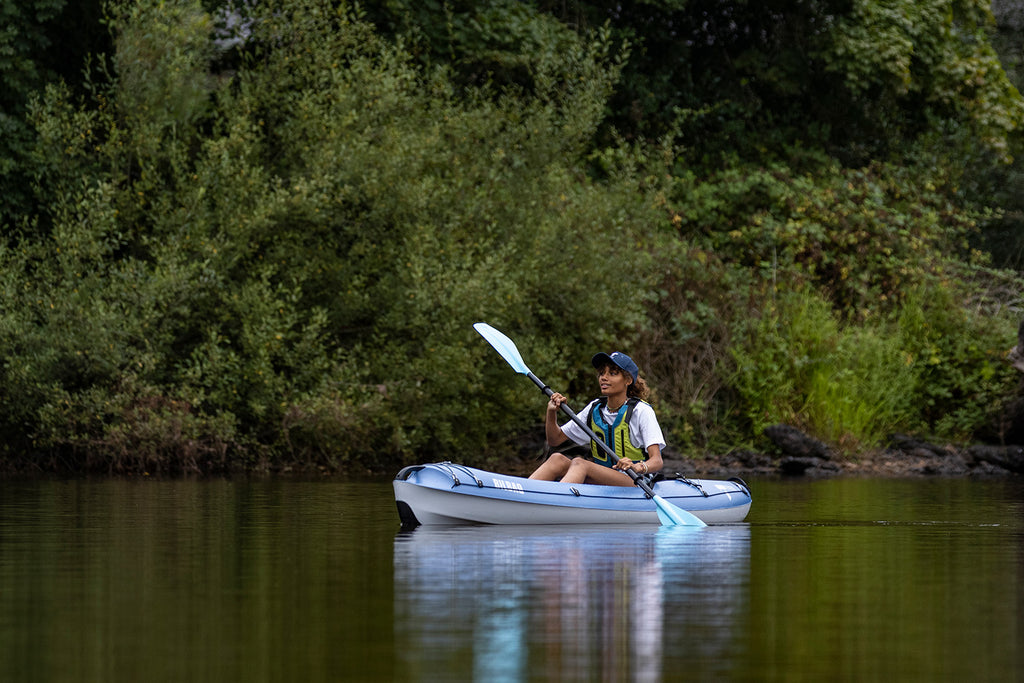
[505, 484]
[450, 493]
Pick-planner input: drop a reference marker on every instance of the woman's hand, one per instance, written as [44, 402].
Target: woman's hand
[555, 401]
[626, 464]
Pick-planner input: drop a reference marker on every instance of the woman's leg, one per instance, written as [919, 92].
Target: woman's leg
[553, 469]
[582, 471]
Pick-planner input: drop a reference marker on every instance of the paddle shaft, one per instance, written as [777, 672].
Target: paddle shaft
[668, 513]
[590, 432]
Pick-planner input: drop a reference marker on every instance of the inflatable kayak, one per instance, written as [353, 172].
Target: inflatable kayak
[446, 493]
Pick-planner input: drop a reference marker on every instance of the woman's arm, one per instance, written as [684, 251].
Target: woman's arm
[552, 432]
[654, 462]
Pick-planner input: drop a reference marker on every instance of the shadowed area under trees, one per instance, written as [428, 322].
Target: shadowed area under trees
[255, 236]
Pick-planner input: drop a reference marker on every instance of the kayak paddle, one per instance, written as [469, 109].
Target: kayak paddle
[669, 514]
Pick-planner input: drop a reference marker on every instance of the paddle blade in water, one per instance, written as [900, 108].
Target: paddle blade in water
[504, 346]
[670, 515]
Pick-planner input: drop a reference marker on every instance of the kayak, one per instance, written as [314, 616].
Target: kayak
[447, 493]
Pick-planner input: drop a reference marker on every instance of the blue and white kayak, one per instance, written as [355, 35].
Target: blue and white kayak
[446, 493]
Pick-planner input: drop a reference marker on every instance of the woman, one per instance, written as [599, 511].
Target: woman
[620, 416]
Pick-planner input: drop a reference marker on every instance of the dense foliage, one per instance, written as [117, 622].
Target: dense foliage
[258, 237]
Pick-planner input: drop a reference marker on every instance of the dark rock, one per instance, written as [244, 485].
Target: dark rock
[791, 441]
[797, 466]
[825, 468]
[987, 469]
[948, 465]
[751, 459]
[807, 467]
[1010, 458]
[911, 446]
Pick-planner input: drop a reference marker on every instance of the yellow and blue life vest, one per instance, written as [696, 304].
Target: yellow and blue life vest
[616, 434]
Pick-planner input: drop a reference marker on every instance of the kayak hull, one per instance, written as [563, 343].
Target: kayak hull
[445, 494]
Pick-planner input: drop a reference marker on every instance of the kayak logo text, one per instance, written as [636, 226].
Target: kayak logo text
[508, 485]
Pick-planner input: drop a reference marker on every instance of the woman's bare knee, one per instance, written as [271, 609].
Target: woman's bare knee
[576, 472]
[553, 468]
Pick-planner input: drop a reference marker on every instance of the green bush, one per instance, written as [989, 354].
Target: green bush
[933, 369]
[964, 384]
[799, 365]
[271, 256]
[300, 248]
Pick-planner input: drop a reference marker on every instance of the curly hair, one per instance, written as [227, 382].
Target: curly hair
[638, 389]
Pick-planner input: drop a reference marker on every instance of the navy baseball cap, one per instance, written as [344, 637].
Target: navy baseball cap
[619, 360]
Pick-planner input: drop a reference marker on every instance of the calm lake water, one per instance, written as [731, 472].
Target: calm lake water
[840, 580]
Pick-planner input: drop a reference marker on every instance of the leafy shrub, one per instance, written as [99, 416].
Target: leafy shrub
[932, 369]
[269, 253]
[963, 382]
[320, 226]
[799, 365]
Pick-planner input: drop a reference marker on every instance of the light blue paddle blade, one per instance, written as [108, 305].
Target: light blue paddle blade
[672, 515]
[504, 346]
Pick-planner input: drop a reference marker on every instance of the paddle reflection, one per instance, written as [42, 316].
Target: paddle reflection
[566, 603]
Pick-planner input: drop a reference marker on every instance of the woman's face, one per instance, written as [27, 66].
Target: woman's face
[613, 380]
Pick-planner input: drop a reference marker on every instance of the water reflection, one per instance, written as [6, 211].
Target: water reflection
[566, 603]
[851, 580]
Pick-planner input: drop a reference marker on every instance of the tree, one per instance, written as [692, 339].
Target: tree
[41, 41]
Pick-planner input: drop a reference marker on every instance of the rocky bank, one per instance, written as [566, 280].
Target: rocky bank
[799, 455]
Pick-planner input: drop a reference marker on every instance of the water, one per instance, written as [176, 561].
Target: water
[847, 580]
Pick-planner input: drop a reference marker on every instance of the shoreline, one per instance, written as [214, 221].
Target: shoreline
[971, 461]
[797, 454]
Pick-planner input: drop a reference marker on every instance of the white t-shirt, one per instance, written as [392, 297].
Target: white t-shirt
[644, 429]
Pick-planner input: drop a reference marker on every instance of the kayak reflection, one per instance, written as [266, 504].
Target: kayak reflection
[565, 603]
